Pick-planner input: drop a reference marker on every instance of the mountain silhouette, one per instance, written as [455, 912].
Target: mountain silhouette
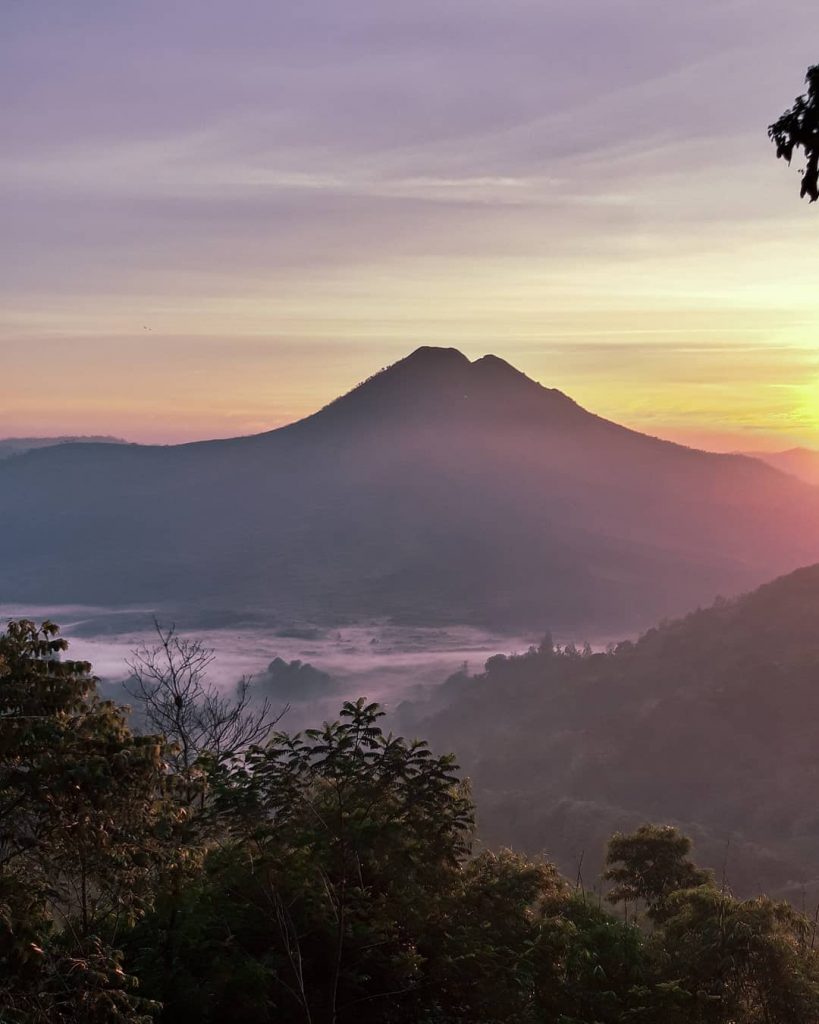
[441, 489]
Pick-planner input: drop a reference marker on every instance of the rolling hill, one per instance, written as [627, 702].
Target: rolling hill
[439, 490]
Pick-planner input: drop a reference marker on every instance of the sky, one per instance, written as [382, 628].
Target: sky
[217, 216]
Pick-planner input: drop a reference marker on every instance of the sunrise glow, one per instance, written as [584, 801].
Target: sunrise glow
[224, 251]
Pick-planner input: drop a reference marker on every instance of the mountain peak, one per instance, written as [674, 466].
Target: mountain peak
[428, 370]
[506, 383]
[434, 356]
[438, 384]
[494, 363]
[493, 369]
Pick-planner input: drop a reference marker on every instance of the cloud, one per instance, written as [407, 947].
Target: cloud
[482, 172]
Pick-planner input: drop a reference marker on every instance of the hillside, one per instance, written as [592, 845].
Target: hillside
[439, 490]
[707, 721]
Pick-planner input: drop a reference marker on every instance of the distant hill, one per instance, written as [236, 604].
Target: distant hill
[708, 721]
[19, 445]
[297, 681]
[800, 462]
[439, 490]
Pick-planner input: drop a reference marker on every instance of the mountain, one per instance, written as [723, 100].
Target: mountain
[439, 490]
[708, 722]
[19, 445]
[800, 462]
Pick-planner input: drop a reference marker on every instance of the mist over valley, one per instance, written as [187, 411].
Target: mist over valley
[383, 662]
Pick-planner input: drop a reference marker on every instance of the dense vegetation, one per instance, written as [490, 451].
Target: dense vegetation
[707, 722]
[328, 877]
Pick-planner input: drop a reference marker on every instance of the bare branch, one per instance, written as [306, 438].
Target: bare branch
[170, 685]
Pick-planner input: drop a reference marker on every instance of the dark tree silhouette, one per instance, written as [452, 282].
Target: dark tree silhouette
[170, 685]
[798, 128]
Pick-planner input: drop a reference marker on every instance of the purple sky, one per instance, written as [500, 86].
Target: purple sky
[218, 215]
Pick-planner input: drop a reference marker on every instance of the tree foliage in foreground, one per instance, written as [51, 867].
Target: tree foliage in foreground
[330, 877]
[81, 823]
[650, 865]
[798, 128]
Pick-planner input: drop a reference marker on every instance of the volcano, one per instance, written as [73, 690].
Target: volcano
[439, 490]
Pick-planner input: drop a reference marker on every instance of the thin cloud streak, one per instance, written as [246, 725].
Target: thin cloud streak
[498, 175]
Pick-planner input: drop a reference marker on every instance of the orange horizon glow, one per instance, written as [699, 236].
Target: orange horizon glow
[713, 406]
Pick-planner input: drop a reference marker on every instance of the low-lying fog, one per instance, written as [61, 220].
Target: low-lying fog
[382, 662]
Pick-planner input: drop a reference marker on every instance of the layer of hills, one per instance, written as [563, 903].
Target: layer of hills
[439, 490]
[801, 462]
[708, 722]
[20, 445]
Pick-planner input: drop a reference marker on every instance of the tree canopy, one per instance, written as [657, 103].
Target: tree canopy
[332, 877]
[82, 818]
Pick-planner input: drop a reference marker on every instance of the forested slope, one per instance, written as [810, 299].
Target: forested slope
[709, 721]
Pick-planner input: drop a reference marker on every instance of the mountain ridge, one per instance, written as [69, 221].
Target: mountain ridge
[10, 446]
[428, 375]
[438, 490]
[429, 359]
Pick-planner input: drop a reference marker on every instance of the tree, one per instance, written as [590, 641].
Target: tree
[203, 729]
[798, 128]
[81, 822]
[337, 845]
[485, 940]
[175, 698]
[748, 961]
[651, 864]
